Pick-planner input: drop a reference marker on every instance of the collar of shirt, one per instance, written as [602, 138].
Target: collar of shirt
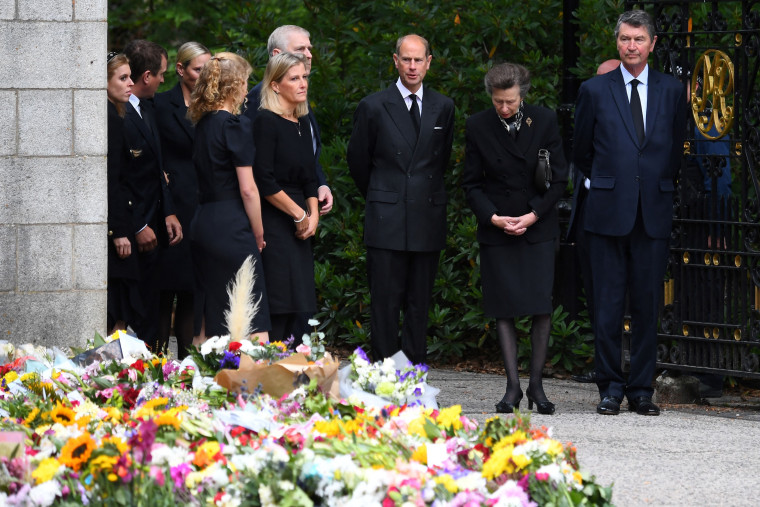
[405, 95]
[135, 103]
[642, 88]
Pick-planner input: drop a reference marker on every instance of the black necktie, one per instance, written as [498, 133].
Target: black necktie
[638, 117]
[414, 111]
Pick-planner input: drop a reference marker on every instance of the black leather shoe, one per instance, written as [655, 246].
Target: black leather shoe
[585, 378]
[508, 407]
[609, 406]
[643, 405]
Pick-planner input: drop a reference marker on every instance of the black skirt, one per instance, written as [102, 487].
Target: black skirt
[517, 278]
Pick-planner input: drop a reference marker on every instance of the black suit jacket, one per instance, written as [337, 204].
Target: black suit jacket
[499, 170]
[177, 133]
[252, 110]
[152, 200]
[402, 180]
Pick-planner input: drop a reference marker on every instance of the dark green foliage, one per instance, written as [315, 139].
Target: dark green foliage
[353, 47]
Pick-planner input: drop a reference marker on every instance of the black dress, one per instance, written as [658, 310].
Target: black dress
[220, 232]
[124, 302]
[177, 134]
[285, 161]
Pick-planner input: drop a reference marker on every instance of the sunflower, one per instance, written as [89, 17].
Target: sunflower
[169, 418]
[117, 442]
[103, 464]
[77, 451]
[32, 416]
[63, 415]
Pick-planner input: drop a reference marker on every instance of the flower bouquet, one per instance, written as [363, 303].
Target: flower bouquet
[394, 380]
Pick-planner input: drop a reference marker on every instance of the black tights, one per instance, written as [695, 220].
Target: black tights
[539, 339]
[183, 321]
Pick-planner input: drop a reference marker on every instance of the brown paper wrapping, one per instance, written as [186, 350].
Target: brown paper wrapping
[281, 377]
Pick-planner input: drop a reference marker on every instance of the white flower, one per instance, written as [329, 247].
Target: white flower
[215, 344]
[45, 493]
[313, 322]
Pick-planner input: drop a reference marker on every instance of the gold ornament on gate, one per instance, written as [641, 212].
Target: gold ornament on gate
[712, 103]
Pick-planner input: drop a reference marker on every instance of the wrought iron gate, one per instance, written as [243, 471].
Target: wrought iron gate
[710, 320]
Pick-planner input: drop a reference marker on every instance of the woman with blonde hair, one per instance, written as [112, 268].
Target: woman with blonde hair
[124, 303]
[227, 226]
[177, 132]
[285, 174]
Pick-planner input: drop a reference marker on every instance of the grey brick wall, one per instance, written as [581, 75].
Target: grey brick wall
[53, 144]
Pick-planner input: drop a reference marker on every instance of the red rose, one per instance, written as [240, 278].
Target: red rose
[234, 346]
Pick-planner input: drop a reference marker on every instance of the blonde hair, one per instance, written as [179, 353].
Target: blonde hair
[190, 50]
[113, 64]
[277, 67]
[220, 79]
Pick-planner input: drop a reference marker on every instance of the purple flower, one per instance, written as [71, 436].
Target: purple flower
[422, 367]
[142, 441]
[179, 473]
[361, 354]
[230, 360]
[417, 392]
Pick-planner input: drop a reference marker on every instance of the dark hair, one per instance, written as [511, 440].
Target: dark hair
[400, 41]
[506, 75]
[636, 18]
[144, 55]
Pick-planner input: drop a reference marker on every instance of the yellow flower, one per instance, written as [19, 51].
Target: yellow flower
[149, 407]
[32, 416]
[448, 482]
[76, 451]
[103, 464]
[578, 477]
[449, 417]
[113, 414]
[10, 377]
[515, 438]
[46, 470]
[63, 415]
[417, 426]
[328, 428]
[169, 418]
[521, 460]
[420, 454]
[499, 463]
[28, 376]
[555, 448]
[158, 360]
[280, 345]
[117, 442]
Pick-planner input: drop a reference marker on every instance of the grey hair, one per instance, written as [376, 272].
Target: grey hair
[636, 18]
[401, 39]
[506, 75]
[280, 37]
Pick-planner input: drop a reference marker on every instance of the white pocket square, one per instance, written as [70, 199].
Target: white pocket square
[437, 128]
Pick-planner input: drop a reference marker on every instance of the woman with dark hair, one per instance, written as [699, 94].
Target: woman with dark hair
[227, 225]
[124, 303]
[517, 220]
[176, 131]
[285, 175]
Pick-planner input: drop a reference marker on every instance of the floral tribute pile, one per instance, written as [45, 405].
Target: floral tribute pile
[153, 431]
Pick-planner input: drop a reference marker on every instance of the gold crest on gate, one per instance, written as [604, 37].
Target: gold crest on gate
[712, 93]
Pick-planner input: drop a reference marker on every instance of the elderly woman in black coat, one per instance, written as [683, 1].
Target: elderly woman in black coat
[517, 219]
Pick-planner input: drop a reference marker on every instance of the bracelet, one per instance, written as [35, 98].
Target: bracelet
[302, 218]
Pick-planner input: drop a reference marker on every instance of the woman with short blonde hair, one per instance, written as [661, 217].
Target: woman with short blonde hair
[277, 68]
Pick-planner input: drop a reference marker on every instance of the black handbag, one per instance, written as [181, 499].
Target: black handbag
[543, 175]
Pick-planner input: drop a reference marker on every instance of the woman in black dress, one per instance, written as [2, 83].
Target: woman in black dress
[124, 303]
[176, 131]
[284, 171]
[227, 226]
[517, 221]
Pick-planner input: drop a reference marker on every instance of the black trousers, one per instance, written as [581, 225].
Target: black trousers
[633, 264]
[400, 281]
[147, 326]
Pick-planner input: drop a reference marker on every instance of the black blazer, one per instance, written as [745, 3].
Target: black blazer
[402, 180]
[152, 200]
[499, 170]
[120, 200]
[176, 133]
[252, 110]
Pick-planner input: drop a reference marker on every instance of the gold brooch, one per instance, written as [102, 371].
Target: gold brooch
[529, 121]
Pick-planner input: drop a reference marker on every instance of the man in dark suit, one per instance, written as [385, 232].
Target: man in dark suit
[398, 154]
[577, 234]
[294, 39]
[153, 210]
[630, 126]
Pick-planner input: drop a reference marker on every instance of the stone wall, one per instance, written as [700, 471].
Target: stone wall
[53, 143]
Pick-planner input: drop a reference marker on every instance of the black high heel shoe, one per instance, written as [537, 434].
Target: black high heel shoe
[543, 407]
[508, 407]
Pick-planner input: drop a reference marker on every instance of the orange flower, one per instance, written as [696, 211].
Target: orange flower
[77, 451]
[207, 453]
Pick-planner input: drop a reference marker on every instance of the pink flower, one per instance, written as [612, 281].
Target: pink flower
[542, 476]
[303, 349]
[158, 475]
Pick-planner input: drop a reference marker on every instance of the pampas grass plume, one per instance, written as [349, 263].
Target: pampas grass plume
[243, 306]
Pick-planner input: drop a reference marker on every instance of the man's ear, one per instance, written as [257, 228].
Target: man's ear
[145, 77]
[276, 51]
